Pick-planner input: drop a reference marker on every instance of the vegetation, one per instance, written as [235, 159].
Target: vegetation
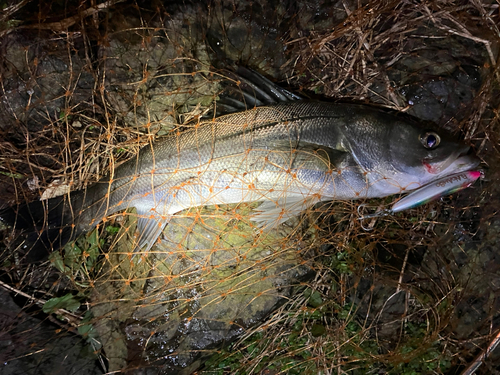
[85, 85]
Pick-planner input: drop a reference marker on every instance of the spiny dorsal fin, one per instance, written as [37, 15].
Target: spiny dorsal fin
[252, 90]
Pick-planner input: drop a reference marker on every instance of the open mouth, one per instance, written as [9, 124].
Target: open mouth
[460, 161]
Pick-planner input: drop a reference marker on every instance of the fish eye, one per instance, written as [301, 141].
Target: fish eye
[430, 140]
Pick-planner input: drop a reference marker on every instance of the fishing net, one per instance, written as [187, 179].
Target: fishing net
[85, 86]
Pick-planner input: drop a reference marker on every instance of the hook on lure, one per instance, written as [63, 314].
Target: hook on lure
[362, 217]
[428, 193]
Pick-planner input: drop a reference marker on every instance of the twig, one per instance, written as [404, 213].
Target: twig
[68, 315]
[10, 10]
[70, 21]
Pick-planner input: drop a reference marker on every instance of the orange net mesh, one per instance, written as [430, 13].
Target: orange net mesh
[85, 87]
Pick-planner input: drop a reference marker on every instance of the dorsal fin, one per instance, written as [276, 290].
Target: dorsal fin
[249, 89]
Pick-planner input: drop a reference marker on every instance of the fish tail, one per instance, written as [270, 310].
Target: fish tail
[43, 225]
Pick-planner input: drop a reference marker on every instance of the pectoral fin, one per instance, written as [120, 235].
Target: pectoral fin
[305, 153]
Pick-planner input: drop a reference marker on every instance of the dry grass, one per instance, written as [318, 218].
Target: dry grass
[83, 92]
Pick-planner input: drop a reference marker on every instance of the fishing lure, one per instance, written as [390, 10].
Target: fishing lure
[428, 193]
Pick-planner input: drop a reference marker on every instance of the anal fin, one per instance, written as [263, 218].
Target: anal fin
[150, 225]
[272, 213]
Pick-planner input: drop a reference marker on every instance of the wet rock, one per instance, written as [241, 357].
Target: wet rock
[43, 81]
[68, 354]
[203, 285]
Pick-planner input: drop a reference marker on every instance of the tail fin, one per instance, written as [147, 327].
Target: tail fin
[45, 226]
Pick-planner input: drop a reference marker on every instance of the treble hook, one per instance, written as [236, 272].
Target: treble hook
[380, 213]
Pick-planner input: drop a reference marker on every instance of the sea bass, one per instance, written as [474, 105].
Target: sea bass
[288, 155]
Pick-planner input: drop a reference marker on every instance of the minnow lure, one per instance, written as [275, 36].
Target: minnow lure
[430, 192]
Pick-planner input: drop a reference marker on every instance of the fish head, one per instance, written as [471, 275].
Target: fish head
[423, 155]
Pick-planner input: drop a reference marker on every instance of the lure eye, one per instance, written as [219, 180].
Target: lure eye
[430, 140]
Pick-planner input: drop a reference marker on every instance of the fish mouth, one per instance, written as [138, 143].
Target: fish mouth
[460, 161]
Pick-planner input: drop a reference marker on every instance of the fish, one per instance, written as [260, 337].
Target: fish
[285, 152]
